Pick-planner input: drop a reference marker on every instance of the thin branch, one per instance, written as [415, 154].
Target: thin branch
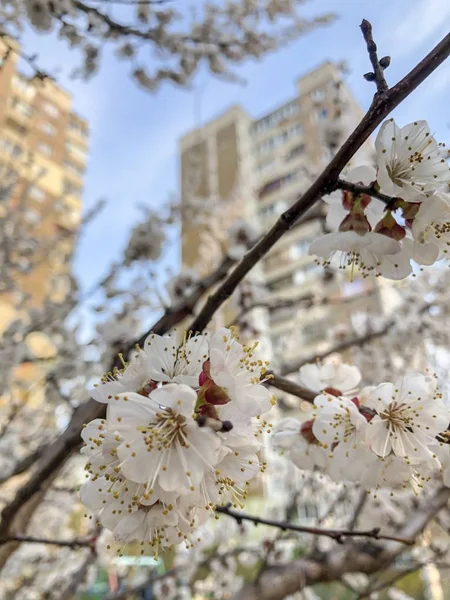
[345, 345]
[378, 69]
[26, 539]
[335, 534]
[370, 190]
[327, 180]
[290, 387]
[280, 581]
[63, 447]
[29, 59]
[358, 509]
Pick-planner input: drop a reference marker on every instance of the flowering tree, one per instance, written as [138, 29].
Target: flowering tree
[179, 432]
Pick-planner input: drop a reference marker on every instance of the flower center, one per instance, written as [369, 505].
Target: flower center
[168, 429]
[397, 416]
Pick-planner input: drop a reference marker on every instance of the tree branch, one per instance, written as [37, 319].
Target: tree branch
[378, 69]
[335, 534]
[345, 345]
[370, 190]
[327, 180]
[89, 543]
[62, 448]
[280, 581]
[290, 387]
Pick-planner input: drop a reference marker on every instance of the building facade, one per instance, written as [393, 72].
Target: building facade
[264, 165]
[43, 154]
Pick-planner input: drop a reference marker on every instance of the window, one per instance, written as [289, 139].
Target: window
[21, 107]
[275, 118]
[272, 209]
[48, 129]
[277, 184]
[32, 217]
[295, 130]
[50, 109]
[318, 94]
[267, 211]
[71, 189]
[295, 152]
[44, 149]
[77, 127]
[321, 114]
[74, 167]
[11, 147]
[315, 331]
[300, 248]
[76, 150]
[36, 193]
[305, 272]
[20, 83]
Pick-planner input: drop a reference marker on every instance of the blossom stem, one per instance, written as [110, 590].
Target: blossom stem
[370, 190]
[336, 534]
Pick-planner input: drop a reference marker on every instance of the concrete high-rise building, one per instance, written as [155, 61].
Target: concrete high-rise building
[264, 164]
[43, 150]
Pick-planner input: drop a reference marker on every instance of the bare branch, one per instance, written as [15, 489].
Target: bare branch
[378, 68]
[280, 581]
[89, 543]
[335, 534]
[327, 180]
[290, 387]
[370, 190]
[345, 345]
[62, 448]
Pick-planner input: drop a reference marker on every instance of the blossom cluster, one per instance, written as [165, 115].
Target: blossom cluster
[412, 220]
[387, 435]
[181, 436]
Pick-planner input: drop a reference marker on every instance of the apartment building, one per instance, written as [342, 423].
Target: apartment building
[43, 152]
[264, 164]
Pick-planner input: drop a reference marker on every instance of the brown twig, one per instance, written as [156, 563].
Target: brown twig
[345, 345]
[62, 448]
[370, 190]
[27, 539]
[335, 534]
[290, 387]
[378, 67]
[327, 180]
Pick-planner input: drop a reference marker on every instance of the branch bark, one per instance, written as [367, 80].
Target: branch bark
[335, 534]
[19, 511]
[327, 180]
[277, 582]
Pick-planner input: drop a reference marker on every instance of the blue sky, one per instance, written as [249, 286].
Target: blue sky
[134, 134]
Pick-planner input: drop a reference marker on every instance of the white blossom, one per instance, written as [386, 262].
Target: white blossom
[342, 377]
[409, 161]
[431, 229]
[238, 371]
[337, 212]
[369, 253]
[160, 440]
[410, 415]
[338, 421]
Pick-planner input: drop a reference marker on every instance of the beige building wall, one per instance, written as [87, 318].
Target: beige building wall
[46, 144]
[272, 159]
